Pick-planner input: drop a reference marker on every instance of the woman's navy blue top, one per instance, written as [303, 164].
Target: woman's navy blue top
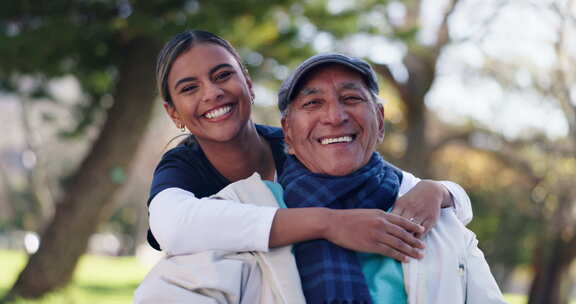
[186, 167]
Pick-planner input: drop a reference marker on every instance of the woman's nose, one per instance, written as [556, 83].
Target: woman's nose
[212, 92]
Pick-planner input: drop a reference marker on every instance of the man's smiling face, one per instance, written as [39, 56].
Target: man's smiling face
[333, 124]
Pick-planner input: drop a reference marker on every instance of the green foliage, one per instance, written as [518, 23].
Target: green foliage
[350, 19]
[506, 229]
[88, 39]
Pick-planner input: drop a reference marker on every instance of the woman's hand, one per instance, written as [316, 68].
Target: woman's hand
[421, 205]
[375, 231]
[364, 230]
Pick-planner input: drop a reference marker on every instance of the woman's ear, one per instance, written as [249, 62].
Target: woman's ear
[174, 115]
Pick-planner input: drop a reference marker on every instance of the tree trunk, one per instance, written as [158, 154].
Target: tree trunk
[6, 196]
[552, 268]
[88, 197]
[421, 73]
[555, 252]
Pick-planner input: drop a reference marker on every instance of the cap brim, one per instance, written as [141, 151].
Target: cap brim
[297, 77]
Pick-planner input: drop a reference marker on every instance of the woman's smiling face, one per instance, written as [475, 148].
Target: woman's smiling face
[211, 94]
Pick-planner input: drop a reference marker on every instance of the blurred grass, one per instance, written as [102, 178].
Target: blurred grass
[101, 280]
[98, 280]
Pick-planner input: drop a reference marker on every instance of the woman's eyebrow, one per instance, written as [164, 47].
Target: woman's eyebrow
[183, 80]
[220, 66]
[212, 70]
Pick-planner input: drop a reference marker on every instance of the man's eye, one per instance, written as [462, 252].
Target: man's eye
[223, 75]
[310, 103]
[352, 98]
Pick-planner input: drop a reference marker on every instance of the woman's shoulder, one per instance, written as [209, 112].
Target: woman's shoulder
[270, 132]
[186, 168]
[182, 159]
[187, 151]
[275, 138]
[180, 151]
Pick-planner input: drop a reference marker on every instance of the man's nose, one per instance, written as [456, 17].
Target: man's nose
[336, 114]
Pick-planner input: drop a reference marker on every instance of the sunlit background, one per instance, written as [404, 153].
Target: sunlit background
[480, 92]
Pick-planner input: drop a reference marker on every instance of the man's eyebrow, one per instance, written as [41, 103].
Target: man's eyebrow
[309, 91]
[351, 86]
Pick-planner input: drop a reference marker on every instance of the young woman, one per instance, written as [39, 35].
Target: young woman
[207, 90]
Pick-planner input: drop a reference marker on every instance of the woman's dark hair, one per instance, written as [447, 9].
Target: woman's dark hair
[180, 44]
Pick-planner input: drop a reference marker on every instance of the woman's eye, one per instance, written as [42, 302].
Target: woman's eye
[188, 88]
[224, 75]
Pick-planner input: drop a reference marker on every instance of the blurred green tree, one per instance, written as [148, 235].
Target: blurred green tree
[549, 163]
[110, 47]
[420, 143]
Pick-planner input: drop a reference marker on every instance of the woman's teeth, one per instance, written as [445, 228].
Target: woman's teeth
[218, 112]
[341, 139]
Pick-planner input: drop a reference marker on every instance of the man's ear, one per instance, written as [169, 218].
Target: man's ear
[381, 121]
[287, 134]
[174, 115]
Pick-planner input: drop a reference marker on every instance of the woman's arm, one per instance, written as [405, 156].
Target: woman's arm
[421, 200]
[363, 230]
[462, 205]
[184, 224]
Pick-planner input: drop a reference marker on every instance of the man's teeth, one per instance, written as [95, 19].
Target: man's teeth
[340, 139]
[218, 112]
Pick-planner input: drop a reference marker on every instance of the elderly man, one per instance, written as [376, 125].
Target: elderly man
[332, 121]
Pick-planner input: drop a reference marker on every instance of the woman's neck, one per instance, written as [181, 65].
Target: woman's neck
[242, 156]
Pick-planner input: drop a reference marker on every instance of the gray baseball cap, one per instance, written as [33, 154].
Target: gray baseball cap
[286, 93]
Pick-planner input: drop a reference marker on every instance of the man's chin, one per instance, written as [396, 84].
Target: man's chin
[341, 169]
[330, 164]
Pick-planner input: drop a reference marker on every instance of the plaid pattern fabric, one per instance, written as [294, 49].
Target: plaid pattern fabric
[330, 273]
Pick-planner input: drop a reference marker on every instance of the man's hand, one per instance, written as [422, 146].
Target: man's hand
[375, 231]
[422, 204]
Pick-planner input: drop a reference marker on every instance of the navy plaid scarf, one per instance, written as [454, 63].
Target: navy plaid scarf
[330, 273]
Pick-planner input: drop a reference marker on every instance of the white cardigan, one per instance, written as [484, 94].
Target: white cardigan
[224, 277]
[453, 269]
